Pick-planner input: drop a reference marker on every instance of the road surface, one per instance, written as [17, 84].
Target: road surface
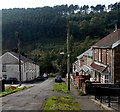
[34, 97]
[29, 99]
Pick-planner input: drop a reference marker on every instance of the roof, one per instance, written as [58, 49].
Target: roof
[109, 40]
[89, 53]
[76, 63]
[85, 69]
[99, 67]
[23, 58]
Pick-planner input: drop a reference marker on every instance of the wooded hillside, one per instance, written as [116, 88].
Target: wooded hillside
[43, 30]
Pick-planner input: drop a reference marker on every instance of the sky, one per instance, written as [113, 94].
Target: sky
[5, 4]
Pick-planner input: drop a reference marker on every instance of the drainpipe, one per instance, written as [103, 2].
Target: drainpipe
[112, 66]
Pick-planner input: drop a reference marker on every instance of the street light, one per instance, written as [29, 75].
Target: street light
[18, 45]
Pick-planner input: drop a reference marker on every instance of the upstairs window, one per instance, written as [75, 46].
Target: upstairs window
[3, 68]
[100, 55]
[95, 55]
[106, 78]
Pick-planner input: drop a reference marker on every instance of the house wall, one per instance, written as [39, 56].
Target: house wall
[85, 60]
[29, 71]
[7, 58]
[81, 62]
[89, 61]
[37, 70]
[96, 55]
[12, 70]
[117, 64]
[103, 56]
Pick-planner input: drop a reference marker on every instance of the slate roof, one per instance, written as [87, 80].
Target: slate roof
[89, 53]
[99, 67]
[86, 69]
[109, 40]
[23, 58]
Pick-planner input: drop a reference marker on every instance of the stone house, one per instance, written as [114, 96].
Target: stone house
[106, 61]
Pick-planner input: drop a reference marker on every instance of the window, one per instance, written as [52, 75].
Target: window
[4, 68]
[95, 55]
[106, 78]
[100, 55]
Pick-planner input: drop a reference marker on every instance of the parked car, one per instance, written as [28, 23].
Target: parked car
[40, 78]
[58, 78]
[45, 75]
[11, 80]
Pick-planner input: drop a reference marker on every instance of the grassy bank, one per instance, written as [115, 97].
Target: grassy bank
[61, 87]
[61, 103]
[12, 89]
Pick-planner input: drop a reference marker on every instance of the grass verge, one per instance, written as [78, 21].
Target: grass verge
[61, 87]
[61, 103]
[9, 91]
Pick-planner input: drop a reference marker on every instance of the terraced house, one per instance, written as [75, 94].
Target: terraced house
[106, 58]
[10, 67]
[82, 65]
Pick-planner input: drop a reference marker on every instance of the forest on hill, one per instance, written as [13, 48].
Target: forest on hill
[43, 31]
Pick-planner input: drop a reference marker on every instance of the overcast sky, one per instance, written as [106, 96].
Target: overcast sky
[40, 3]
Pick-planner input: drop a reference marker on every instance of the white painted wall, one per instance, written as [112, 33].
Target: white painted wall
[29, 71]
[12, 71]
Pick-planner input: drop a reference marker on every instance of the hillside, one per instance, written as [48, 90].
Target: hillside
[43, 30]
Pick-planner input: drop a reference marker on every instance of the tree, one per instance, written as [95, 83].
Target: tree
[84, 28]
[85, 9]
[97, 26]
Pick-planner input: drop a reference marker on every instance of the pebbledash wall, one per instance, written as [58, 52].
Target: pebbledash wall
[10, 67]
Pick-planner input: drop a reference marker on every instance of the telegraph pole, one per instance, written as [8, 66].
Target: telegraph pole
[18, 45]
[68, 55]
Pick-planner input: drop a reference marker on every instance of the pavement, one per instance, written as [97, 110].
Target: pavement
[85, 102]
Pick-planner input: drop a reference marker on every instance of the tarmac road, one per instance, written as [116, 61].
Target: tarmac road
[34, 97]
[29, 99]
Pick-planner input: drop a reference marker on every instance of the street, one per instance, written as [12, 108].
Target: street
[29, 99]
[34, 97]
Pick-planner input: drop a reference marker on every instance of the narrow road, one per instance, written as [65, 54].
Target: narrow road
[29, 99]
[34, 97]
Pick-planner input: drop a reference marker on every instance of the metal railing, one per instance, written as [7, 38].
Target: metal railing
[108, 95]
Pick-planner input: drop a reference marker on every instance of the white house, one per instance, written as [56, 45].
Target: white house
[10, 67]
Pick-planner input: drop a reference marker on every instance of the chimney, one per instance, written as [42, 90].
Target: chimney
[115, 27]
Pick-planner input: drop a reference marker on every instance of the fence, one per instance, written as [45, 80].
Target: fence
[105, 93]
[108, 95]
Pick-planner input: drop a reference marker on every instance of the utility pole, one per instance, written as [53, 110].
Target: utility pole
[18, 45]
[68, 55]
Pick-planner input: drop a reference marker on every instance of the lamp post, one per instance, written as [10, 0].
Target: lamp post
[18, 45]
[68, 55]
